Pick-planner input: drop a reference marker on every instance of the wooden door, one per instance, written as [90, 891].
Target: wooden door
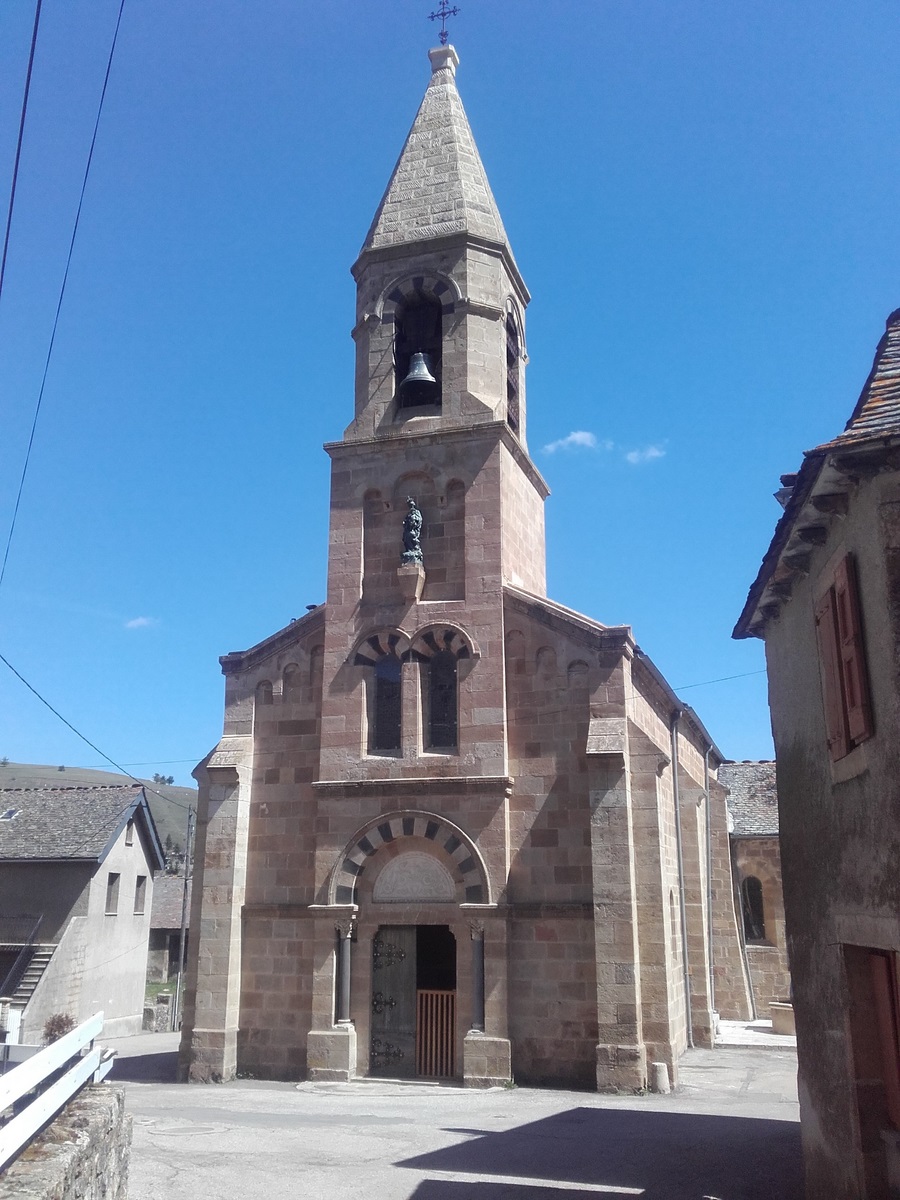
[393, 1047]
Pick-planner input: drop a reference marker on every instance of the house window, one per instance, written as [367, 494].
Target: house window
[140, 894]
[129, 834]
[752, 908]
[386, 715]
[112, 893]
[442, 701]
[513, 354]
[845, 683]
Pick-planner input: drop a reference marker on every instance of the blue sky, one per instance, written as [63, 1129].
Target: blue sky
[702, 198]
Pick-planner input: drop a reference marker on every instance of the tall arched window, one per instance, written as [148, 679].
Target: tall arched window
[418, 330]
[442, 701]
[752, 906]
[513, 355]
[386, 708]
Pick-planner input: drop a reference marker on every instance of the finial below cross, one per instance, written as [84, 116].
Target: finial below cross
[441, 13]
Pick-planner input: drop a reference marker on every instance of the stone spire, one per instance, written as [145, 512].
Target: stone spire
[439, 186]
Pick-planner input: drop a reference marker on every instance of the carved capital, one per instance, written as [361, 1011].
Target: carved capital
[346, 926]
[476, 930]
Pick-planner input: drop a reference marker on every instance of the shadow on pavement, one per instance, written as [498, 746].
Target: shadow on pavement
[160, 1067]
[434, 1189]
[668, 1156]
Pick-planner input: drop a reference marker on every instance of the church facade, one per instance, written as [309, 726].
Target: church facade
[452, 828]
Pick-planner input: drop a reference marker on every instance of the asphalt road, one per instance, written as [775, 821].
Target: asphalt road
[729, 1133]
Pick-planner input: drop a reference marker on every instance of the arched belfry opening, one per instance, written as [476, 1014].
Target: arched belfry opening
[418, 333]
[513, 372]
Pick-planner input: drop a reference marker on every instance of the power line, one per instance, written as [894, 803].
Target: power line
[15, 174]
[724, 679]
[87, 741]
[62, 292]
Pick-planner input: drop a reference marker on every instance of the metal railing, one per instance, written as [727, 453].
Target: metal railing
[54, 1075]
[19, 967]
[435, 1033]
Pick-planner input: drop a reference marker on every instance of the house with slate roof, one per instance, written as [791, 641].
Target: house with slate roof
[165, 927]
[753, 809]
[826, 602]
[452, 829]
[76, 889]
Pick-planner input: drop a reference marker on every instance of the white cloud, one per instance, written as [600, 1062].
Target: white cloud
[578, 439]
[648, 454]
[142, 623]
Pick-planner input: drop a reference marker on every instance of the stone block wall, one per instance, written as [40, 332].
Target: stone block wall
[82, 1155]
[770, 973]
[553, 995]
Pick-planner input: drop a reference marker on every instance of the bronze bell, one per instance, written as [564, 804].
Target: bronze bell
[419, 386]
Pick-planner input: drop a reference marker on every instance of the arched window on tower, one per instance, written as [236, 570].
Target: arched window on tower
[441, 694]
[386, 707]
[752, 906]
[513, 368]
[418, 331]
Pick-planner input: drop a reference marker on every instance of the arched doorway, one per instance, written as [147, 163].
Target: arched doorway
[413, 1018]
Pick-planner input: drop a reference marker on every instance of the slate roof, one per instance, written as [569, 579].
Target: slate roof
[168, 891]
[439, 185]
[78, 823]
[877, 412]
[753, 799]
[873, 425]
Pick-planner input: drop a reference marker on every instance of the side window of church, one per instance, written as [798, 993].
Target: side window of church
[842, 659]
[441, 697]
[386, 715]
[752, 905]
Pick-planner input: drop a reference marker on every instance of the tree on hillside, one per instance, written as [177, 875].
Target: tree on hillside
[169, 779]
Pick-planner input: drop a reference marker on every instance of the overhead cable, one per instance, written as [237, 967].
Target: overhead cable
[87, 741]
[62, 292]
[15, 174]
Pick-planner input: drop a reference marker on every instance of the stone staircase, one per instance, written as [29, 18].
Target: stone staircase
[41, 953]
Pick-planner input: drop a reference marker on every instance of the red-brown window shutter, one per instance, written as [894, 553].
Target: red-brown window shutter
[852, 652]
[826, 631]
[884, 987]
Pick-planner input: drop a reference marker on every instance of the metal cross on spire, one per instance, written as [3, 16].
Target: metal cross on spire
[441, 13]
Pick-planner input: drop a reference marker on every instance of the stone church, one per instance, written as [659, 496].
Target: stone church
[452, 828]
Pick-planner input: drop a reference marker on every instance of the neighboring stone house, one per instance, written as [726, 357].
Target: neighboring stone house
[753, 805]
[827, 603]
[165, 927]
[452, 828]
[76, 888]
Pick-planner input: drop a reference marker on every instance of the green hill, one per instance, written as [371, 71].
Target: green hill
[167, 803]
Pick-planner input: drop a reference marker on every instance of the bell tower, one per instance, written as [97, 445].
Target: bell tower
[436, 277]
[437, 439]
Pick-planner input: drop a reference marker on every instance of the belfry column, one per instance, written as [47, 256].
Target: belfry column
[487, 1059]
[331, 1043]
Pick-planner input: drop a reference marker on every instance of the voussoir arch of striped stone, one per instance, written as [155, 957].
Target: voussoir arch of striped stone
[459, 853]
[425, 643]
[444, 289]
[379, 643]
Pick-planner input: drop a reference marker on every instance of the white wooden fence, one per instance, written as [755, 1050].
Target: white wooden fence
[32, 1076]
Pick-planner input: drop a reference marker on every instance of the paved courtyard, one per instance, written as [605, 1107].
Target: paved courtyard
[729, 1133]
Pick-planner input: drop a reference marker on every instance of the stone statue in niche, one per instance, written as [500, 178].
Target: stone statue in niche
[412, 533]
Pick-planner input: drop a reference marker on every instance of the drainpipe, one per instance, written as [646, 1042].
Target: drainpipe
[673, 730]
[709, 886]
